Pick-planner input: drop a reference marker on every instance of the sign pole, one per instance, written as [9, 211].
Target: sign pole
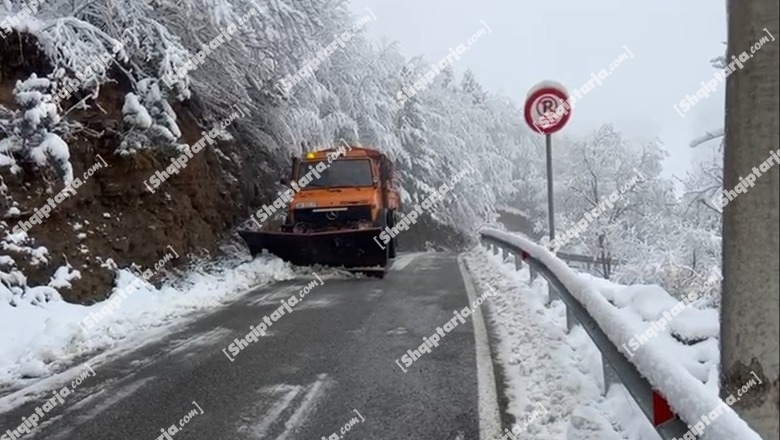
[550, 203]
[541, 114]
[550, 206]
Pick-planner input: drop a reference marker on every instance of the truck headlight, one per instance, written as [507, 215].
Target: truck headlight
[304, 205]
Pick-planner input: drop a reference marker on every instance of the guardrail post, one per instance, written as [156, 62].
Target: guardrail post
[551, 294]
[518, 262]
[571, 320]
[610, 377]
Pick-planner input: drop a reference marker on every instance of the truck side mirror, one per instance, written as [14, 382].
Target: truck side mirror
[284, 181]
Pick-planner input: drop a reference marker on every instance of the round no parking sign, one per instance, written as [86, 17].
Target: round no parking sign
[545, 111]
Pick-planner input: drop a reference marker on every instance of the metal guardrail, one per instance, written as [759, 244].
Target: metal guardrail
[616, 367]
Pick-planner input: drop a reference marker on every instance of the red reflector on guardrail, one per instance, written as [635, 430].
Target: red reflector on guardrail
[661, 411]
[524, 255]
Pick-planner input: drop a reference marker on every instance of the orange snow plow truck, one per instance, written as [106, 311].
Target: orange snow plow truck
[339, 201]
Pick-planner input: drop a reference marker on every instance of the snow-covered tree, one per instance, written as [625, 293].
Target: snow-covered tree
[32, 130]
[597, 167]
[169, 51]
[150, 119]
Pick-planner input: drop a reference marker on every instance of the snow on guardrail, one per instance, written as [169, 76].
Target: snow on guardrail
[687, 395]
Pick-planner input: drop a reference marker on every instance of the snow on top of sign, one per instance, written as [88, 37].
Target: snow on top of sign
[546, 84]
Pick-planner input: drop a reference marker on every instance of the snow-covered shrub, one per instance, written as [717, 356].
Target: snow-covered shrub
[155, 51]
[31, 130]
[150, 119]
[13, 282]
[63, 276]
[84, 42]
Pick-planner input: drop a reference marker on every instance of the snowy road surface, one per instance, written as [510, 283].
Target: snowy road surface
[318, 368]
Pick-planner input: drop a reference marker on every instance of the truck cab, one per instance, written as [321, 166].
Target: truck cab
[339, 202]
[354, 190]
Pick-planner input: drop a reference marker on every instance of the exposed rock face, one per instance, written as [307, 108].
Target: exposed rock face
[113, 214]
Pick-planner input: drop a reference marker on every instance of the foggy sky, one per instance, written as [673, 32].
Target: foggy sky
[672, 42]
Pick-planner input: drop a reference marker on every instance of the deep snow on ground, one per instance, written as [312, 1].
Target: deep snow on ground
[46, 337]
[684, 373]
[546, 366]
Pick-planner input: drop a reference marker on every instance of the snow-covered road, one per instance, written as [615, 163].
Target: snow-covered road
[334, 353]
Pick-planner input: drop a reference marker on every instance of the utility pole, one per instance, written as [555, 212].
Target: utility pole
[750, 313]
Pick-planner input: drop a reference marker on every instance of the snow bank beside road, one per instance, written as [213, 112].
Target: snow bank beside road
[542, 364]
[677, 371]
[42, 338]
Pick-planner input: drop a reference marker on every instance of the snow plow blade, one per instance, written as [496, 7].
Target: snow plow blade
[350, 249]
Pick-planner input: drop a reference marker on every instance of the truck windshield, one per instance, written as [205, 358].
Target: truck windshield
[344, 172]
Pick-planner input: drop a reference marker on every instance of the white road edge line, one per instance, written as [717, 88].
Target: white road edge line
[314, 394]
[489, 418]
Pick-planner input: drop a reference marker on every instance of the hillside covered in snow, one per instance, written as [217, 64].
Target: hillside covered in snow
[104, 95]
